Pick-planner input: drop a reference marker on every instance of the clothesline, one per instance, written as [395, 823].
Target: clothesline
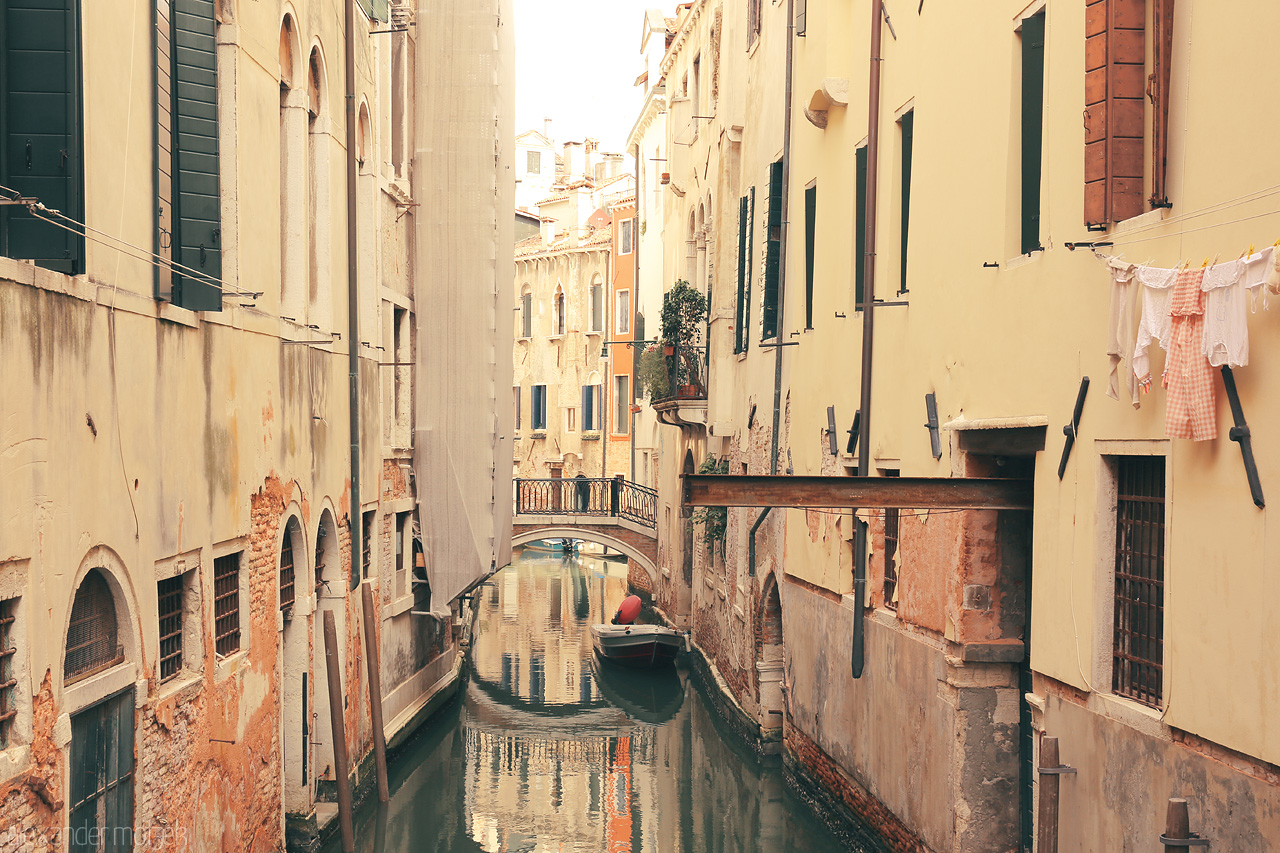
[1198, 315]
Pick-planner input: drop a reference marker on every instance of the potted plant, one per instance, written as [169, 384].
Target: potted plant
[684, 316]
[651, 374]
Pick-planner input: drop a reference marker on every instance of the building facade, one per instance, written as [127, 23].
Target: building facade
[1125, 615]
[565, 390]
[214, 235]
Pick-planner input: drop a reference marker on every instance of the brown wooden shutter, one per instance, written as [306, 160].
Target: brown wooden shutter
[1115, 56]
[1158, 90]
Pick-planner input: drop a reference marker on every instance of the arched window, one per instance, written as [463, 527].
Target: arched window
[597, 304]
[93, 643]
[286, 53]
[287, 586]
[526, 312]
[313, 84]
[293, 174]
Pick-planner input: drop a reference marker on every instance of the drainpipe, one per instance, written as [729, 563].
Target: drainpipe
[782, 281]
[353, 303]
[868, 327]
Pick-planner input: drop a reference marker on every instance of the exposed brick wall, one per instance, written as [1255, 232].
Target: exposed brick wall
[809, 758]
[31, 805]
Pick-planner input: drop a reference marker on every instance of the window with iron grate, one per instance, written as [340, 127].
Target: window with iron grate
[92, 638]
[226, 604]
[169, 594]
[288, 592]
[8, 678]
[1137, 663]
[891, 519]
[366, 544]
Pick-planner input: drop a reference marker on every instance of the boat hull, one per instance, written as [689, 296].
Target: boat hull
[640, 646]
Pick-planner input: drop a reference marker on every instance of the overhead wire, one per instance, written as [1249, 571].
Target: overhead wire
[134, 251]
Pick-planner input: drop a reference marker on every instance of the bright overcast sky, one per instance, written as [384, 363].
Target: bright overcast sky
[576, 62]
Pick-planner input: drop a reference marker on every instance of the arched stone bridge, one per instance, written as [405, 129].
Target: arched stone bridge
[613, 512]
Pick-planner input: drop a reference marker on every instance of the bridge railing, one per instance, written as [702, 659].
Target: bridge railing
[609, 498]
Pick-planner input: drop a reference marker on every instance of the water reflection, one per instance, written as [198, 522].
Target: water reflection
[552, 751]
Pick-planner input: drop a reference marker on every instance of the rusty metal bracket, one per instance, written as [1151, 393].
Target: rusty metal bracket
[1241, 435]
[1193, 841]
[1071, 429]
[1060, 770]
[853, 433]
[931, 411]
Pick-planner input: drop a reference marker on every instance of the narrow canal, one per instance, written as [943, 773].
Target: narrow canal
[548, 750]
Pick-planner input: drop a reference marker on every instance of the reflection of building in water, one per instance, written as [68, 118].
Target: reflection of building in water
[556, 793]
[533, 636]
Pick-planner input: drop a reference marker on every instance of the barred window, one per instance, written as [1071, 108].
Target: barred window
[891, 518]
[319, 567]
[366, 544]
[1138, 651]
[92, 639]
[287, 586]
[226, 604]
[169, 593]
[8, 678]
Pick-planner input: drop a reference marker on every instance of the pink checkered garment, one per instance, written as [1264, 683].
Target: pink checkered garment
[1189, 410]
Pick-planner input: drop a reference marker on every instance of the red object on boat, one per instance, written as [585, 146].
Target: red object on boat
[629, 610]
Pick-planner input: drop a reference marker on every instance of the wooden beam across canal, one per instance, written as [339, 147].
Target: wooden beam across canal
[857, 492]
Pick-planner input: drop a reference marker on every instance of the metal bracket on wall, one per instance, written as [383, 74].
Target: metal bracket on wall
[1070, 429]
[1241, 435]
[1193, 841]
[931, 410]
[1060, 770]
[853, 432]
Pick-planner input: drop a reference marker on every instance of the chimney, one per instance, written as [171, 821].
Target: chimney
[546, 128]
[548, 229]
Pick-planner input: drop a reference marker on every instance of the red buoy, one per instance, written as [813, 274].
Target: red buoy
[629, 610]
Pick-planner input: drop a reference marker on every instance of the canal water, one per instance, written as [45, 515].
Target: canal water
[548, 750]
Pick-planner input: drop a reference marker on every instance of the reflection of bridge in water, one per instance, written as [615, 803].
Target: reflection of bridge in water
[613, 512]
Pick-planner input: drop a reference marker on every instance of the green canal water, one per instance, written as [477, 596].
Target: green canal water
[548, 750]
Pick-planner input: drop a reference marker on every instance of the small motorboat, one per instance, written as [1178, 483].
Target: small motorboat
[643, 646]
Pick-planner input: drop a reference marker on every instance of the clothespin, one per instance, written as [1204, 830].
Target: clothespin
[1276, 244]
[1205, 264]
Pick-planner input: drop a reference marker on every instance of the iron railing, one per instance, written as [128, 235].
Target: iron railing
[611, 498]
[686, 374]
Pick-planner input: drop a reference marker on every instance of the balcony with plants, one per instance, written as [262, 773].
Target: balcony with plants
[673, 371]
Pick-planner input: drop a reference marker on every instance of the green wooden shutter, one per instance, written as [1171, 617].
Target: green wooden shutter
[1032, 128]
[746, 295]
[517, 407]
[908, 137]
[744, 222]
[378, 10]
[860, 230]
[810, 223]
[773, 252]
[588, 416]
[802, 16]
[197, 199]
[41, 138]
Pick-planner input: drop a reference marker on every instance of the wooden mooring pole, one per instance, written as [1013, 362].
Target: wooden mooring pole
[1047, 818]
[339, 730]
[375, 692]
[1177, 828]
